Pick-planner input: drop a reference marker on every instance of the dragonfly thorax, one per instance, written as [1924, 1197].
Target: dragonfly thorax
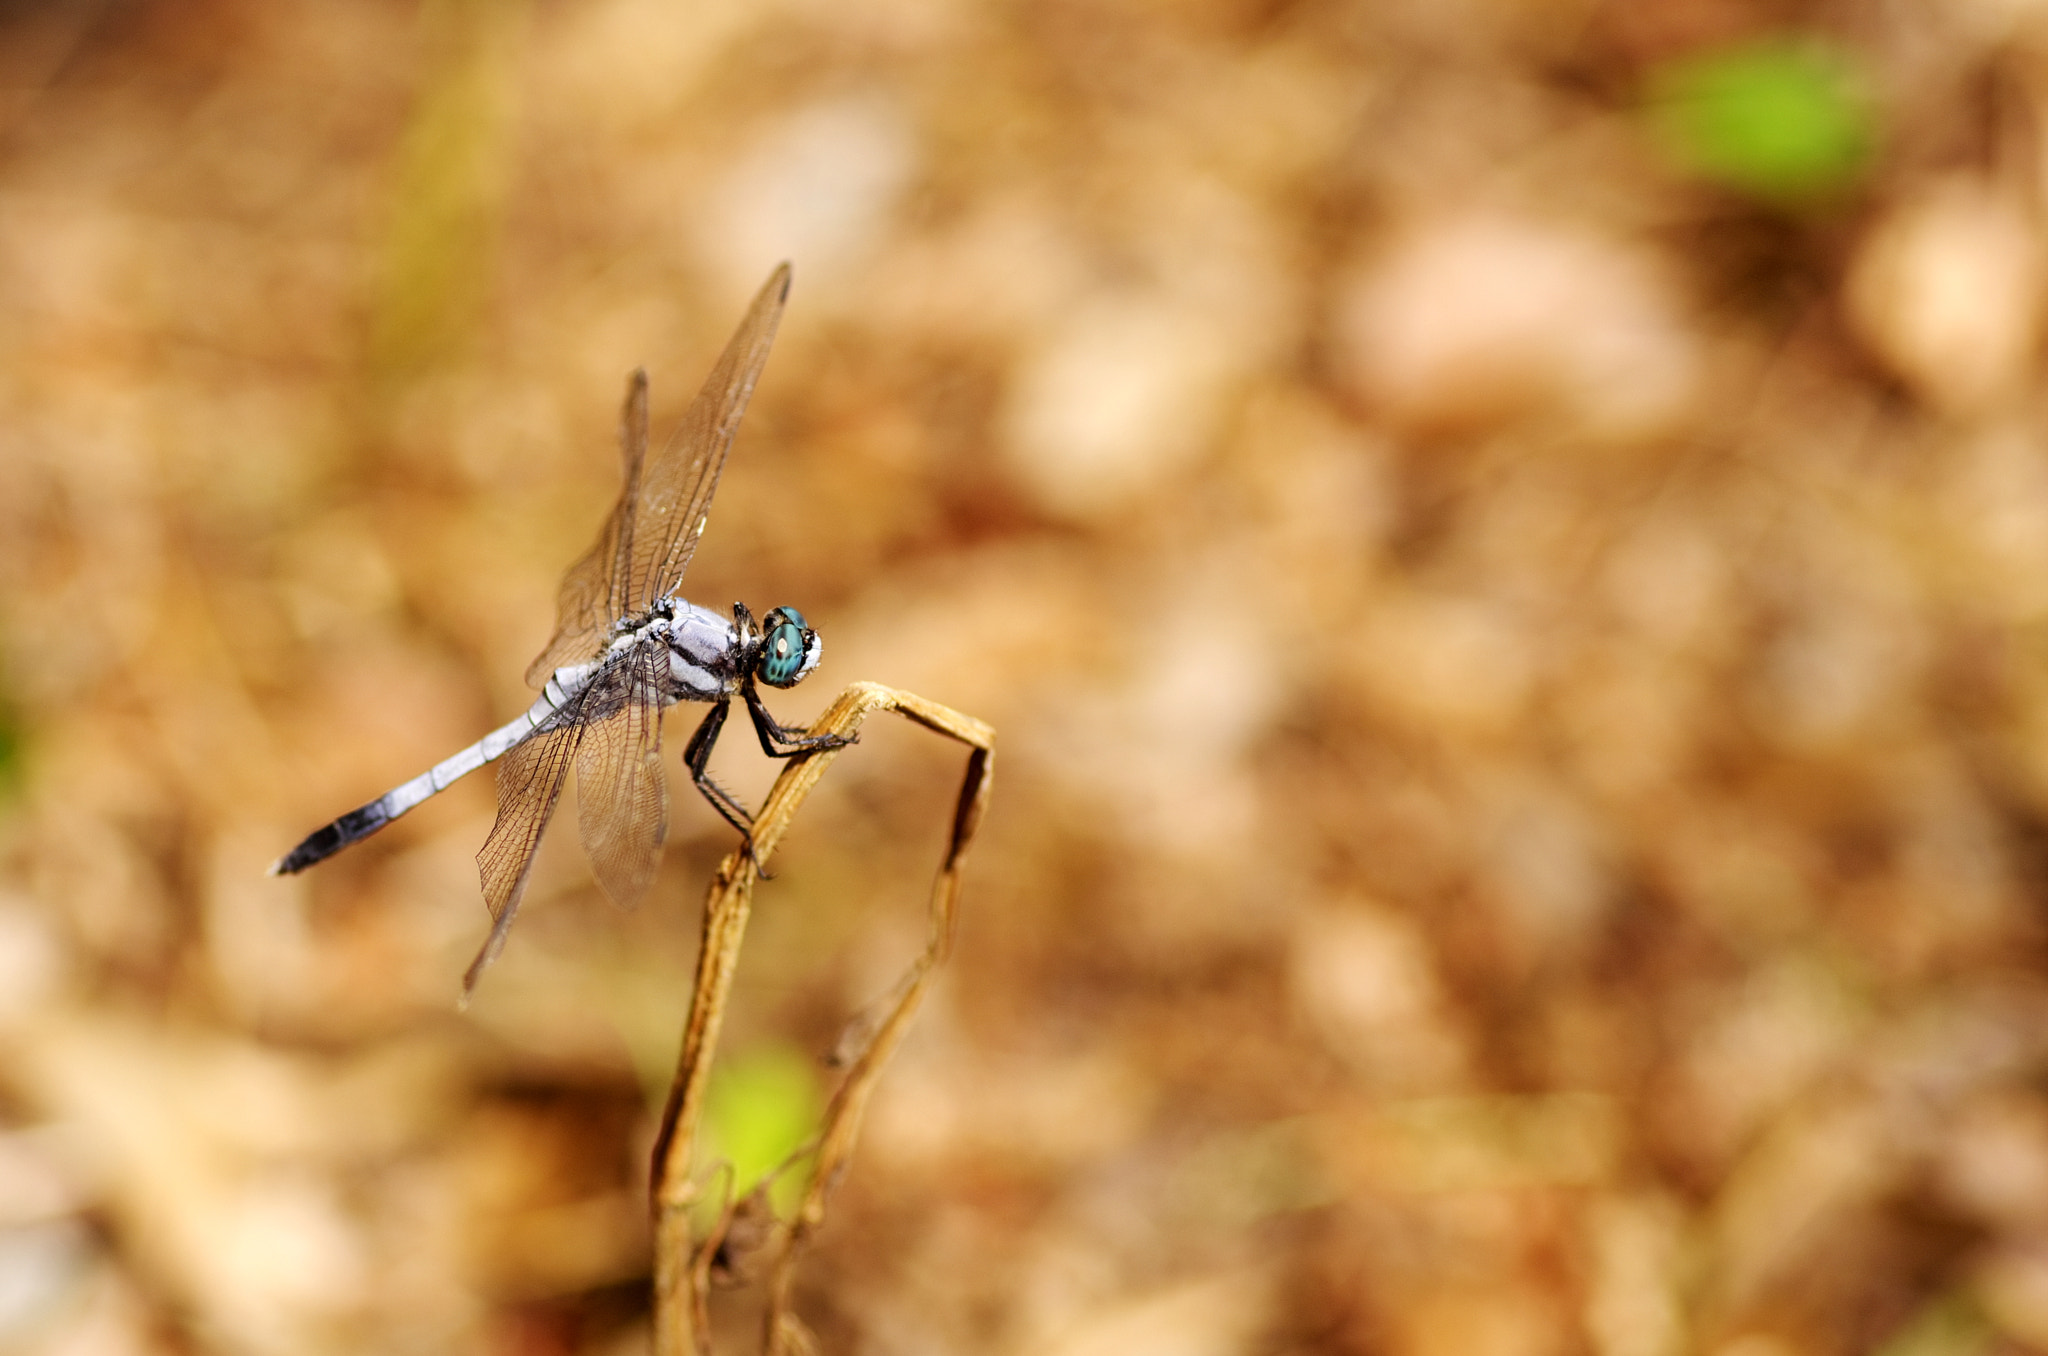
[704, 651]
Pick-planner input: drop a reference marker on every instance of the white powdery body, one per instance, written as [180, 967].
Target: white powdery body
[699, 642]
[700, 646]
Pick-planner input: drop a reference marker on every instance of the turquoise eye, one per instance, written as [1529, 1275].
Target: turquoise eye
[790, 649]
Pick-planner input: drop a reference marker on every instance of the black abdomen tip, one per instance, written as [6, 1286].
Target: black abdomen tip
[329, 839]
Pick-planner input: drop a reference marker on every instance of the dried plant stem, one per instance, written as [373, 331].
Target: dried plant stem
[680, 1272]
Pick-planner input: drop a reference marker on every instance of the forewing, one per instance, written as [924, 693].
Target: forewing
[595, 590]
[530, 781]
[621, 795]
[676, 488]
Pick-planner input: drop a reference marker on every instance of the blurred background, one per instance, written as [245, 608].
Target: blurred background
[1506, 544]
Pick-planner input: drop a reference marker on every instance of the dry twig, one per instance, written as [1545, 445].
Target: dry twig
[681, 1271]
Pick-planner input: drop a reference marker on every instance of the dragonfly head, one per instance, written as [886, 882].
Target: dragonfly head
[789, 648]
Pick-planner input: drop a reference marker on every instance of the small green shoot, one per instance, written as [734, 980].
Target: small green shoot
[761, 1107]
[1784, 119]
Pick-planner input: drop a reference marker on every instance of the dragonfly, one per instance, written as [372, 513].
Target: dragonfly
[626, 647]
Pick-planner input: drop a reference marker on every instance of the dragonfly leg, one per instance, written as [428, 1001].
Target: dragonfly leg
[773, 732]
[697, 758]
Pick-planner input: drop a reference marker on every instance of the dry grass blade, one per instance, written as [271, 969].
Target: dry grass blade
[681, 1271]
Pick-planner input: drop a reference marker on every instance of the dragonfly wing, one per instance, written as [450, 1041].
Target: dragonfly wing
[676, 488]
[530, 781]
[594, 591]
[621, 795]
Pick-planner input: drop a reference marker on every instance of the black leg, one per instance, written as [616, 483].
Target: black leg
[773, 732]
[697, 758]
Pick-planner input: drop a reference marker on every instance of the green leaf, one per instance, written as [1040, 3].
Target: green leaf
[13, 748]
[1784, 119]
[760, 1108]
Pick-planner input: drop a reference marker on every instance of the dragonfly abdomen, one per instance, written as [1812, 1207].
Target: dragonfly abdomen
[365, 820]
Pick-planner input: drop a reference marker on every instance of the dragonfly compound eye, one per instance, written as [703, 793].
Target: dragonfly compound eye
[790, 650]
